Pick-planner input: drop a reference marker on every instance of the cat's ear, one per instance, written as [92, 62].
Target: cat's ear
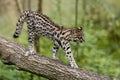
[80, 28]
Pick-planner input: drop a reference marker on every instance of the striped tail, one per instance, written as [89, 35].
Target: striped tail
[19, 24]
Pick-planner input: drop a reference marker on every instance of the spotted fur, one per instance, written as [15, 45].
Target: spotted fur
[40, 24]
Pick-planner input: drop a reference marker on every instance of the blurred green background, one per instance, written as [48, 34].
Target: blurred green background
[100, 19]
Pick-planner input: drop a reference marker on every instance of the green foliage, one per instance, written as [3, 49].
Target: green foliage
[99, 53]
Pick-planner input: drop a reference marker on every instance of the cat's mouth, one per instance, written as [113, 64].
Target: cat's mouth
[82, 39]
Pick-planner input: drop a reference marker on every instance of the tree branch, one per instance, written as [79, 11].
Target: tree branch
[14, 54]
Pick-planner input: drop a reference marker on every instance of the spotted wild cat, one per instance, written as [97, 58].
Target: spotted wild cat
[40, 24]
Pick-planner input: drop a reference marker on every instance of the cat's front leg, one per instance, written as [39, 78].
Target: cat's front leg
[67, 50]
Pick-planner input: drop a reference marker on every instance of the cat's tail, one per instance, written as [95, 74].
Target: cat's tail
[19, 24]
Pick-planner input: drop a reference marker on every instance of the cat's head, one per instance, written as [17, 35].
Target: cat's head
[78, 35]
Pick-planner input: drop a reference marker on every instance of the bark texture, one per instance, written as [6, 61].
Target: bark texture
[13, 53]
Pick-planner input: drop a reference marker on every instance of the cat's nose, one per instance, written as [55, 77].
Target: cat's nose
[82, 39]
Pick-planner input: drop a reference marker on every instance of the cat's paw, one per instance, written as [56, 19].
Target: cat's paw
[29, 52]
[55, 58]
[74, 65]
